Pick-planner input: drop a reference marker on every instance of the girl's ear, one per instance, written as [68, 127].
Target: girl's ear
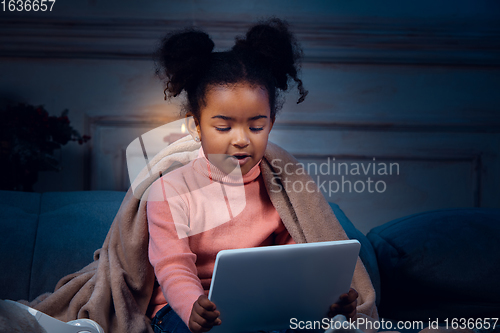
[193, 127]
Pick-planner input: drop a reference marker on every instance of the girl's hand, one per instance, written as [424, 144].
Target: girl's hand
[346, 305]
[203, 315]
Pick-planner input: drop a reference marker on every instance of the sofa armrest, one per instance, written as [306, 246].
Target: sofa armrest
[442, 263]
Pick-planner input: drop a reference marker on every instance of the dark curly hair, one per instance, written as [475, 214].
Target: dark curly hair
[268, 56]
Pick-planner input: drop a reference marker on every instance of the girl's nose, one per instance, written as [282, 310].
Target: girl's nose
[240, 139]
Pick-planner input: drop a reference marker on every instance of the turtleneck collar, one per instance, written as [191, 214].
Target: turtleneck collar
[206, 168]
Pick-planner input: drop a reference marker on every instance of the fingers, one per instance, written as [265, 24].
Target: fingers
[353, 293]
[346, 310]
[348, 297]
[205, 303]
[334, 310]
[199, 324]
[203, 315]
[202, 324]
[345, 305]
[207, 315]
[208, 310]
[350, 310]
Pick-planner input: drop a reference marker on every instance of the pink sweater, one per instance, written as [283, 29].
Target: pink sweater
[194, 212]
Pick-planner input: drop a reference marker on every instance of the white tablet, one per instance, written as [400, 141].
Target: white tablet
[267, 288]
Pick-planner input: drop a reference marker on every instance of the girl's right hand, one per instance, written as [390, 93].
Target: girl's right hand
[203, 315]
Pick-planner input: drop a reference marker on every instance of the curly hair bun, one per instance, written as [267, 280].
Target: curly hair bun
[276, 48]
[183, 57]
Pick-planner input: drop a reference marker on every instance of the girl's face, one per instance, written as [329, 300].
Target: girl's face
[234, 125]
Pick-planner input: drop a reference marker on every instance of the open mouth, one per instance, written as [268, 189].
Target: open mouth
[241, 157]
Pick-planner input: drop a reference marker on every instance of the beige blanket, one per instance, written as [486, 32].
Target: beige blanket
[116, 288]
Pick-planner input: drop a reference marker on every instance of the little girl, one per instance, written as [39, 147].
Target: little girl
[233, 97]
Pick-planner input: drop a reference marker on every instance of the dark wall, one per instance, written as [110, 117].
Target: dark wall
[412, 83]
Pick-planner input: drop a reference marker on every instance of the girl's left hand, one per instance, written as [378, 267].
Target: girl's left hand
[345, 305]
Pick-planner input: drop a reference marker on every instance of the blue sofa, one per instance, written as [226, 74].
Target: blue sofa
[440, 264]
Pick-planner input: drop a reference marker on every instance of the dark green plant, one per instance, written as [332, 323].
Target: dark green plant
[29, 137]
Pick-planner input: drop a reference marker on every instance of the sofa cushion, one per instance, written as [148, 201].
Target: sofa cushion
[72, 225]
[18, 224]
[443, 263]
[367, 253]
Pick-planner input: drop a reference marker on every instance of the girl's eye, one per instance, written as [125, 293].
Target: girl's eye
[256, 129]
[226, 129]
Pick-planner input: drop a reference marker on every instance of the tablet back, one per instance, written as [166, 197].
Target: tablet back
[264, 288]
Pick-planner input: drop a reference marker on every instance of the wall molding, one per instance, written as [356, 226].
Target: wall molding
[361, 41]
[94, 124]
[390, 126]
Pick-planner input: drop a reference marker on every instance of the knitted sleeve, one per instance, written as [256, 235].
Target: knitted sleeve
[169, 253]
